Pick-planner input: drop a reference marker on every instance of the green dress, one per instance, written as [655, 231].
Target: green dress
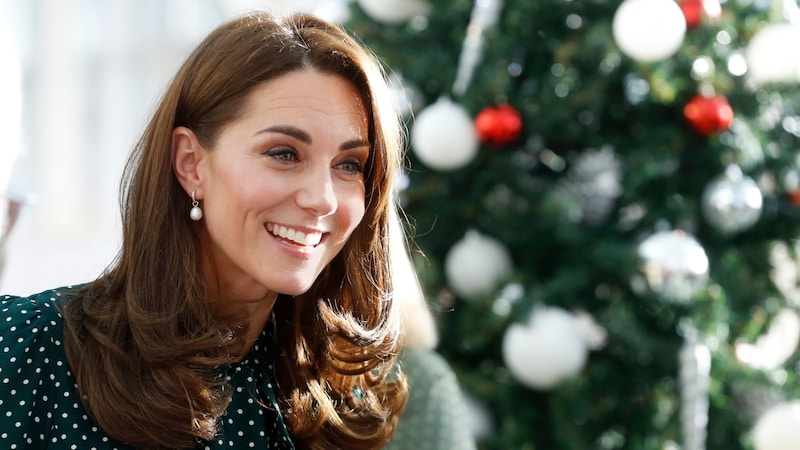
[435, 417]
[40, 406]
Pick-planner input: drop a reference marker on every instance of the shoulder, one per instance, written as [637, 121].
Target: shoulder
[432, 382]
[32, 325]
[33, 315]
[425, 364]
[435, 415]
[39, 399]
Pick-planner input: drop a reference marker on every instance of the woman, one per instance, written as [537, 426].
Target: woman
[435, 416]
[249, 305]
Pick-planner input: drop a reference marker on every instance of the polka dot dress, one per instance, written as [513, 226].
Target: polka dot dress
[434, 416]
[40, 406]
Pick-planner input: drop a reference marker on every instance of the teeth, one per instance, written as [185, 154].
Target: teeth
[295, 236]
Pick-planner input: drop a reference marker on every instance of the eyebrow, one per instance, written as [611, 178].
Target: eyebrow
[305, 138]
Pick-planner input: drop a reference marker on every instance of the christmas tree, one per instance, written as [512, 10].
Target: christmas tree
[606, 199]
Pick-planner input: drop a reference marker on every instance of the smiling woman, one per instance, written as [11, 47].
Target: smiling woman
[290, 165]
[263, 317]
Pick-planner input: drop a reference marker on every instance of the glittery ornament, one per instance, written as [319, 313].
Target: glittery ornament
[694, 362]
[732, 202]
[674, 265]
[594, 180]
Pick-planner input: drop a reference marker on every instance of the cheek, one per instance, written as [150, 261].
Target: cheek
[354, 209]
[356, 214]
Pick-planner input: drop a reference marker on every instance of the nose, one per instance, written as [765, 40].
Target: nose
[317, 193]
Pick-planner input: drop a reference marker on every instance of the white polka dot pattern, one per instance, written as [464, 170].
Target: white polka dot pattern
[39, 403]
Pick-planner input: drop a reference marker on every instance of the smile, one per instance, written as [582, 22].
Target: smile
[295, 237]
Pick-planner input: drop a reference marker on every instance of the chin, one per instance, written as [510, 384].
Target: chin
[295, 289]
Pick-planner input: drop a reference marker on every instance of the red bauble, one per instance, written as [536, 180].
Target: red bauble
[498, 125]
[794, 196]
[708, 114]
[693, 11]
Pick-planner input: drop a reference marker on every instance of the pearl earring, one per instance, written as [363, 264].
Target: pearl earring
[195, 213]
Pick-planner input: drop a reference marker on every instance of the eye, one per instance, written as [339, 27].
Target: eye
[352, 166]
[282, 154]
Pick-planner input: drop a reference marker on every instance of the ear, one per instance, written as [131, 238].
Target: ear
[187, 155]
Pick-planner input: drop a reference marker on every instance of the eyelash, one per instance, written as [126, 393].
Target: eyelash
[282, 153]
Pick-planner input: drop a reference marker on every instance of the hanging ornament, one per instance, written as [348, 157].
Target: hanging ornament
[769, 56]
[778, 428]
[548, 349]
[732, 202]
[695, 10]
[692, 11]
[774, 347]
[444, 136]
[708, 114]
[794, 196]
[476, 264]
[785, 272]
[674, 265]
[695, 368]
[649, 30]
[394, 12]
[498, 125]
[484, 15]
[594, 180]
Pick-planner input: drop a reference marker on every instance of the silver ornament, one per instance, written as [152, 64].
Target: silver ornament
[732, 202]
[695, 367]
[673, 265]
[595, 181]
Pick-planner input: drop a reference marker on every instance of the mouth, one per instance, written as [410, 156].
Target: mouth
[295, 237]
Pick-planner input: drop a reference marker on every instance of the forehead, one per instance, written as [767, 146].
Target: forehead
[307, 92]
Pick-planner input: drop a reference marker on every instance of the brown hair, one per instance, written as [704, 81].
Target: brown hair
[143, 340]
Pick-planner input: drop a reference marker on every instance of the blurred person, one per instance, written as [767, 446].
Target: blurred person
[250, 304]
[10, 130]
[435, 415]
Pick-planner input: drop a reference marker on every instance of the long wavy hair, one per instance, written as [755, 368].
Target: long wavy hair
[144, 340]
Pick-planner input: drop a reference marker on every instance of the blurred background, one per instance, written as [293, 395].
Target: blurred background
[604, 194]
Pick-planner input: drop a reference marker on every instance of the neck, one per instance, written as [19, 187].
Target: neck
[256, 314]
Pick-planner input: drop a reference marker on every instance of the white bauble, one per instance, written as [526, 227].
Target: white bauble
[649, 30]
[773, 348]
[778, 428]
[770, 56]
[444, 136]
[476, 264]
[547, 350]
[674, 265]
[394, 12]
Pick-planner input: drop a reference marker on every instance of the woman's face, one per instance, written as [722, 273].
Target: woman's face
[283, 187]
